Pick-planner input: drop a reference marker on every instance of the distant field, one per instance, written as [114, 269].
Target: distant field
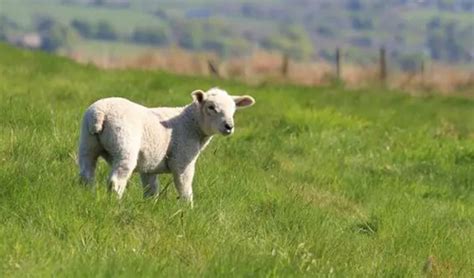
[124, 20]
[98, 48]
[316, 181]
[140, 14]
[422, 16]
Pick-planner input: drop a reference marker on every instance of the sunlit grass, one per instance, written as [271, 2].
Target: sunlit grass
[316, 181]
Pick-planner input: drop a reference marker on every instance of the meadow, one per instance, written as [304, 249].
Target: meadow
[321, 181]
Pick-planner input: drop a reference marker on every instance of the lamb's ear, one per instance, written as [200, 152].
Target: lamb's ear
[243, 101]
[198, 95]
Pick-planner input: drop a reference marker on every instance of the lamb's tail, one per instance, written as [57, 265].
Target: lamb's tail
[95, 121]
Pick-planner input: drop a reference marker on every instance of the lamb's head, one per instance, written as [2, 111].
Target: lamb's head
[217, 110]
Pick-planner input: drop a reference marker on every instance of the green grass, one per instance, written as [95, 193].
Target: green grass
[316, 181]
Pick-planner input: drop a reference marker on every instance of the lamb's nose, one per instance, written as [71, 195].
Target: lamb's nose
[228, 127]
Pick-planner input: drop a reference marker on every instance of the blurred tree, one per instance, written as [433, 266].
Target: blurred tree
[106, 31]
[151, 35]
[327, 55]
[434, 23]
[292, 40]
[446, 4]
[238, 47]
[161, 14]
[361, 41]
[467, 5]
[205, 34]
[189, 40]
[101, 30]
[326, 31]
[454, 47]
[446, 41]
[354, 5]
[410, 62]
[84, 28]
[252, 10]
[7, 25]
[361, 22]
[216, 45]
[189, 35]
[435, 44]
[98, 2]
[54, 35]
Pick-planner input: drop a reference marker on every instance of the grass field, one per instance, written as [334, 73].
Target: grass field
[316, 181]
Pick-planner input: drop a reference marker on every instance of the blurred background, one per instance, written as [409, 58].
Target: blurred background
[412, 45]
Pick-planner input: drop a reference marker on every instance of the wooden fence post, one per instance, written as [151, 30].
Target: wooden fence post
[284, 65]
[383, 65]
[212, 68]
[422, 70]
[338, 64]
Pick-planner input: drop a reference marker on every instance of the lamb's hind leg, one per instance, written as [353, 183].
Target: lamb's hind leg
[121, 172]
[150, 185]
[89, 150]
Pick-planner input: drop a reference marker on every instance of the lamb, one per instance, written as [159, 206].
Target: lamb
[152, 141]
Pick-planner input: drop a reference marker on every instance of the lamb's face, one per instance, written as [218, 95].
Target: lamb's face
[218, 108]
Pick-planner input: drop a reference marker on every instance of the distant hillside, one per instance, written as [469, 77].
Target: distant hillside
[441, 30]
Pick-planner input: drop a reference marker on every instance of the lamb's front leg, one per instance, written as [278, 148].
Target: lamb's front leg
[183, 180]
[150, 184]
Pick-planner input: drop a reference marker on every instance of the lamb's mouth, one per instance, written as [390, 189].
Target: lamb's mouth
[227, 132]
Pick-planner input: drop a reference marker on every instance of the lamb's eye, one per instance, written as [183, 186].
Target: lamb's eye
[212, 108]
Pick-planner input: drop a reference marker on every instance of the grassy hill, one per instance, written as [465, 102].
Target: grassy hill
[316, 181]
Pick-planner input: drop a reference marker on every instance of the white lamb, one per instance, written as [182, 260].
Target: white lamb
[151, 141]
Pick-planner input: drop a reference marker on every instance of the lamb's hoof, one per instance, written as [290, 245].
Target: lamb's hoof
[153, 196]
[86, 181]
[186, 200]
